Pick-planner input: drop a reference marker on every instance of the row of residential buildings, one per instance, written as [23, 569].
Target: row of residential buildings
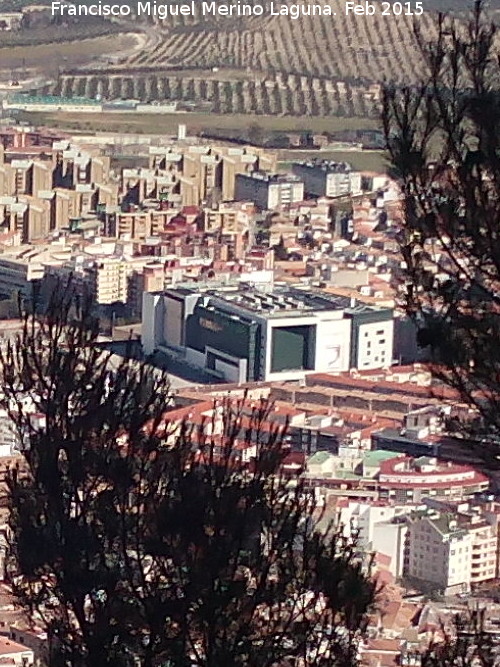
[274, 284]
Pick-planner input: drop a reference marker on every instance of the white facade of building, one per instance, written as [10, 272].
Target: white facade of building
[328, 179]
[152, 321]
[10, 21]
[110, 277]
[391, 538]
[333, 340]
[381, 528]
[9, 438]
[375, 345]
[440, 553]
[17, 655]
[343, 183]
[267, 191]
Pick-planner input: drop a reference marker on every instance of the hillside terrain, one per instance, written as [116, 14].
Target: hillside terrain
[316, 65]
[277, 65]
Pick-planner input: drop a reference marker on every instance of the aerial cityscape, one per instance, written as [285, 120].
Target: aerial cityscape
[249, 334]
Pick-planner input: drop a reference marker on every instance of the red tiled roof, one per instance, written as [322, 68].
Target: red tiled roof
[382, 559]
[7, 646]
[392, 645]
[404, 388]
[190, 210]
[428, 479]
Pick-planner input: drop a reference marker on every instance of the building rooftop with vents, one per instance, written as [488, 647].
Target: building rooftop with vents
[279, 301]
[328, 166]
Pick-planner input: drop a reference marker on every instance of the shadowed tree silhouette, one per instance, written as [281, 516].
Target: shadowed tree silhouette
[444, 142]
[139, 538]
[280, 251]
[465, 640]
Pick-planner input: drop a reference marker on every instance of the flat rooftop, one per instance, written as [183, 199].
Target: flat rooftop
[281, 301]
[278, 302]
[328, 166]
[266, 177]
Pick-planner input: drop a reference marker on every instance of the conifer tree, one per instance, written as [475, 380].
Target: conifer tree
[443, 138]
[138, 539]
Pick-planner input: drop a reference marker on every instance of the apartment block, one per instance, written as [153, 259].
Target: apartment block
[76, 167]
[207, 173]
[441, 552]
[268, 191]
[108, 279]
[324, 178]
[229, 218]
[455, 546]
[24, 177]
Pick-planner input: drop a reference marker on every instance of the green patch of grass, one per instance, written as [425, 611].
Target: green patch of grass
[362, 160]
[196, 122]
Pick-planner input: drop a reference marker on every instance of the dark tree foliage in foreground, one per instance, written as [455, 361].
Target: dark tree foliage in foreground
[466, 641]
[444, 143]
[443, 139]
[139, 541]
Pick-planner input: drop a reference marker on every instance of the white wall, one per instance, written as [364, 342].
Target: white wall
[338, 184]
[298, 192]
[355, 182]
[152, 321]
[369, 515]
[375, 345]
[273, 196]
[389, 539]
[195, 358]
[231, 373]
[333, 345]
[437, 560]
[268, 339]
[333, 341]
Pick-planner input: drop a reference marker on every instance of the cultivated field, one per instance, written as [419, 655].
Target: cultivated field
[364, 160]
[272, 65]
[51, 57]
[347, 48]
[196, 122]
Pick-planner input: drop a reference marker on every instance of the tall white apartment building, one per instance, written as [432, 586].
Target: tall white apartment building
[441, 552]
[324, 178]
[269, 191]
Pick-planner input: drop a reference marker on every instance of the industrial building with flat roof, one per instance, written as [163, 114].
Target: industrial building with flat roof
[240, 334]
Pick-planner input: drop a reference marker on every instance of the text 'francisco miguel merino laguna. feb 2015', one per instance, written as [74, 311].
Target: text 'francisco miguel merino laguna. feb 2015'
[214, 8]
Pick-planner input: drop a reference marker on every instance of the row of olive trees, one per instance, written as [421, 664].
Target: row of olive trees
[341, 47]
[296, 96]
